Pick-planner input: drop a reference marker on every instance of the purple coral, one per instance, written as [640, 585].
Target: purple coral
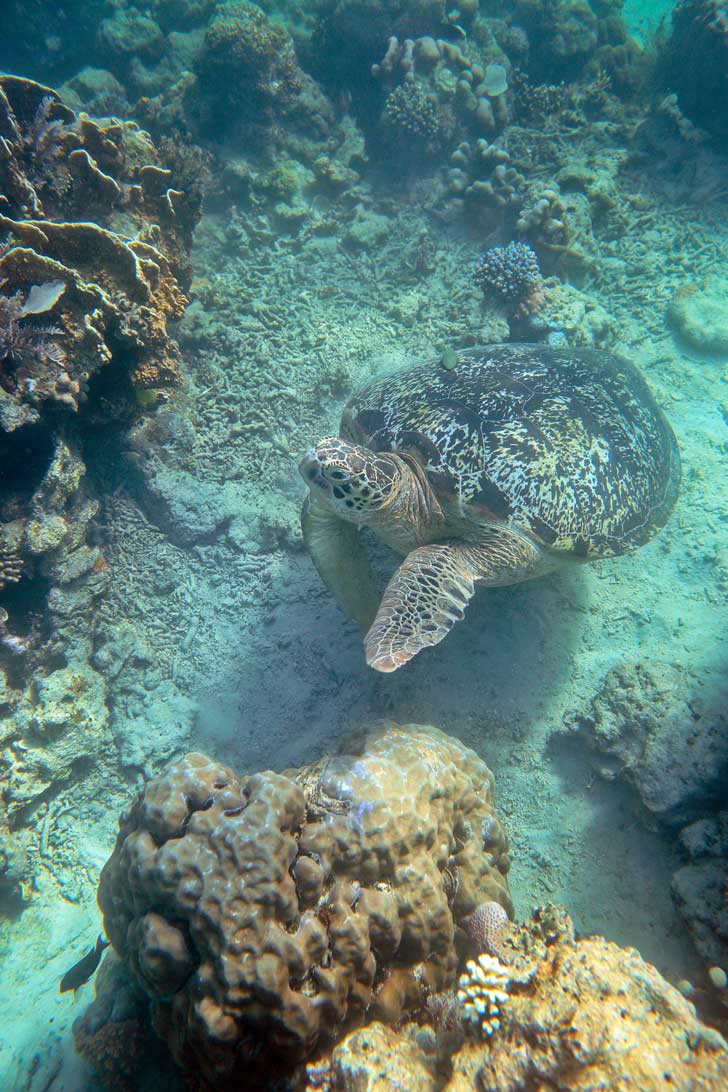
[485, 928]
[511, 272]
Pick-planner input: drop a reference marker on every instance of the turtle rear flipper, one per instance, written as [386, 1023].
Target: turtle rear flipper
[342, 561]
[432, 587]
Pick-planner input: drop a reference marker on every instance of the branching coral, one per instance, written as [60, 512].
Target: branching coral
[511, 273]
[482, 989]
[410, 115]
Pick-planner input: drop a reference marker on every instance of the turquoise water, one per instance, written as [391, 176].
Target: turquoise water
[454, 659]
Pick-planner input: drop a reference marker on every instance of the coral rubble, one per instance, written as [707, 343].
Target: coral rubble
[265, 916]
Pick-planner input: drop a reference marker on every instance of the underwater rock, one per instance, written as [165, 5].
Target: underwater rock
[583, 1014]
[700, 888]
[263, 916]
[699, 316]
[656, 727]
[58, 729]
[580, 316]
[694, 62]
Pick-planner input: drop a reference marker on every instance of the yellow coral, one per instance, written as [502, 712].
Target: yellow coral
[482, 990]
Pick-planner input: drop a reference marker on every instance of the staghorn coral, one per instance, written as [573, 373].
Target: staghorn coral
[482, 989]
[263, 917]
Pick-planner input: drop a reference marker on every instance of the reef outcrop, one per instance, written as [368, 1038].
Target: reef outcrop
[94, 262]
[95, 236]
[578, 1015]
[265, 916]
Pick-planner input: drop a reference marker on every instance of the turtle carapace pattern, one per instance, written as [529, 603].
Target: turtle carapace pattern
[492, 472]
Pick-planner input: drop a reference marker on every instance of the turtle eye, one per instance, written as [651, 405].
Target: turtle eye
[336, 475]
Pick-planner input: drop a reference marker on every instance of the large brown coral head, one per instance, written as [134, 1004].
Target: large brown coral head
[265, 916]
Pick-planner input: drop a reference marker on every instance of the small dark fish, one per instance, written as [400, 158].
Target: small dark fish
[449, 359]
[81, 972]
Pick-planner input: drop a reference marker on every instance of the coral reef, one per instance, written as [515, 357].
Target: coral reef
[58, 730]
[78, 298]
[580, 1014]
[246, 63]
[482, 989]
[562, 33]
[94, 266]
[263, 917]
[466, 95]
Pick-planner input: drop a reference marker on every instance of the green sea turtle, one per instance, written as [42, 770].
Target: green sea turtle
[517, 459]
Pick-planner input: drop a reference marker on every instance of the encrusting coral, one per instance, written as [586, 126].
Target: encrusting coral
[580, 1015]
[263, 917]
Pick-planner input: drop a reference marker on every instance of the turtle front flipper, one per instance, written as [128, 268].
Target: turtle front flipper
[432, 587]
[339, 555]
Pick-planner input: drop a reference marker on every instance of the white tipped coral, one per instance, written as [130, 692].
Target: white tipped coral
[482, 990]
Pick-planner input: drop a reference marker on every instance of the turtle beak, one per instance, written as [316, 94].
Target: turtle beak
[310, 470]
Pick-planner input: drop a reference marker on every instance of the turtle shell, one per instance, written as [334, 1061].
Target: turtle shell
[566, 444]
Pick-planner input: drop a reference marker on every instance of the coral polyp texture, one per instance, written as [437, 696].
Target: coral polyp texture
[511, 273]
[580, 1015]
[485, 928]
[482, 989]
[265, 916]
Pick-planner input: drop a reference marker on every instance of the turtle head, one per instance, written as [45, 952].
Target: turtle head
[352, 480]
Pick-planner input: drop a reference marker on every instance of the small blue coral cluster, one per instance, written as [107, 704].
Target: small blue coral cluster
[510, 272]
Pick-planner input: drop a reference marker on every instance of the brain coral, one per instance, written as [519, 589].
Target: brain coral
[265, 916]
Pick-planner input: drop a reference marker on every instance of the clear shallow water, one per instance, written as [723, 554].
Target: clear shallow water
[181, 612]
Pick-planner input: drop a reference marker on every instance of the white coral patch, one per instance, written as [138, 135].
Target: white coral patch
[483, 988]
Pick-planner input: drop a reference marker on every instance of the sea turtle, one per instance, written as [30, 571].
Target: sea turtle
[503, 465]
